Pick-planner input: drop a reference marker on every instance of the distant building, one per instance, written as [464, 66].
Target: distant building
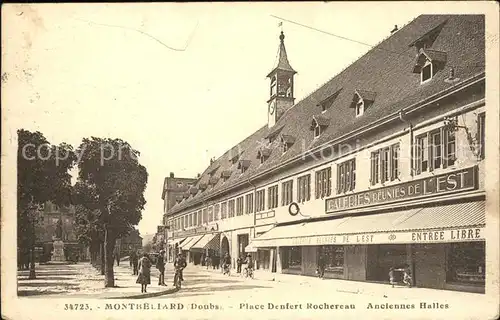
[175, 190]
[131, 242]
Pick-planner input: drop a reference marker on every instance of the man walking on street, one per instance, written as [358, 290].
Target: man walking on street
[239, 262]
[134, 260]
[160, 265]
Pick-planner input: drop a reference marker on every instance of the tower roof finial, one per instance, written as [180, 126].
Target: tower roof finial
[282, 35]
[283, 63]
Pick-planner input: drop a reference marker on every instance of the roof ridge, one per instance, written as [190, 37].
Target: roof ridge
[317, 88]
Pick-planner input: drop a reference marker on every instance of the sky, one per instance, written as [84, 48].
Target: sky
[180, 82]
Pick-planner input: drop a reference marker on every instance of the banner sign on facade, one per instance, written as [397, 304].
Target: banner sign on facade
[198, 230]
[460, 180]
[425, 236]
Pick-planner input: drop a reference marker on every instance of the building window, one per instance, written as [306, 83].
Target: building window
[249, 203]
[323, 183]
[346, 176]
[426, 72]
[205, 216]
[231, 208]
[273, 197]
[200, 218]
[179, 185]
[210, 214]
[190, 220]
[385, 164]
[333, 257]
[185, 225]
[239, 206]
[481, 125]
[261, 200]
[466, 262]
[216, 212]
[304, 188]
[292, 258]
[360, 108]
[434, 150]
[287, 192]
[223, 210]
[317, 130]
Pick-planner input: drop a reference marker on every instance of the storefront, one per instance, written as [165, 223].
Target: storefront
[207, 246]
[443, 244]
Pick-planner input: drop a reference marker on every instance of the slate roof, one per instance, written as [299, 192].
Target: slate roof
[386, 70]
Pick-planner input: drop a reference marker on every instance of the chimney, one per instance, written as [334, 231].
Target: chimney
[395, 29]
[198, 176]
[171, 174]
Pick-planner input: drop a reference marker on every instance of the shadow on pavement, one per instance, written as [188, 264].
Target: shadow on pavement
[227, 288]
[28, 293]
[41, 277]
[49, 284]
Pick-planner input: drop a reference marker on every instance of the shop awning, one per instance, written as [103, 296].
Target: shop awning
[189, 242]
[444, 223]
[175, 241]
[208, 241]
[251, 248]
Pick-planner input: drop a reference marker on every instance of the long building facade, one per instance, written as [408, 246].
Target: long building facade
[380, 167]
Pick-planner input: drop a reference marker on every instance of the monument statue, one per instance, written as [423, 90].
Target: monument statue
[59, 229]
[58, 252]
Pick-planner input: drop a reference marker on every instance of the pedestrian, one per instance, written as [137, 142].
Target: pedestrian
[210, 262]
[160, 265]
[407, 276]
[391, 277]
[144, 277]
[239, 262]
[206, 261]
[321, 266]
[135, 263]
[117, 258]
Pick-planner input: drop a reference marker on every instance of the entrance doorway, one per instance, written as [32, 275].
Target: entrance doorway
[386, 256]
[224, 246]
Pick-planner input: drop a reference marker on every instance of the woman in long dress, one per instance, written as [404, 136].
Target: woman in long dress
[144, 277]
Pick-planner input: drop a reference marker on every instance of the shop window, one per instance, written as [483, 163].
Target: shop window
[249, 203]
[384, 164]
[481, 125]
[292, 258]
[333, 257]
[223, 210]
[287, 193]
[323, 183]
[260, 199]
[434, 150]
[466, 262]
[239, 206]
[272, 197]
[304, 188]
[231, 208]
[346, 176]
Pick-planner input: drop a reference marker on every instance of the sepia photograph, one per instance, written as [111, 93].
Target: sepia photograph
[237, 160]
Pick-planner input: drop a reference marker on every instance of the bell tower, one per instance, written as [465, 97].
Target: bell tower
[281, 90]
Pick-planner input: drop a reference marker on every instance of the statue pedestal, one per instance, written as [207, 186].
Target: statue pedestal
[58, 253]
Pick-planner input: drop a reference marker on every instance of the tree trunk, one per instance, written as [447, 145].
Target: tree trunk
[109, 246]
[32, 263]
[102, 260]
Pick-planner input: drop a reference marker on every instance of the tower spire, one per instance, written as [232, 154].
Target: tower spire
[283, 63]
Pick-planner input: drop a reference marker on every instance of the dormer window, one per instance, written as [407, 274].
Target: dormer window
[178, 199]
[179, 185]
[263, 154]
[362, 100]
[428, 63]
[213, 181]
[319, 124]
[212, 171]
[193, 191]
[326, 103]
[274, 133]
[225, 175]
[243, 165]
[287, 141]
[202, 186]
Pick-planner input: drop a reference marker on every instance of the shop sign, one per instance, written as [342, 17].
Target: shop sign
[426, 236]
[460, 180]
[198, 230]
